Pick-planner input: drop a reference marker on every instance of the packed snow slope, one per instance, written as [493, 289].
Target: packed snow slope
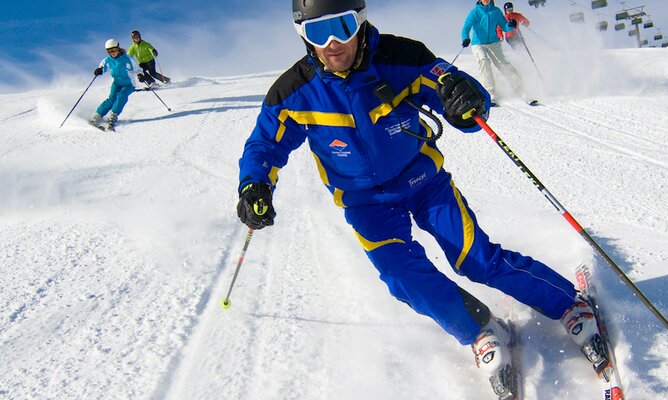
[116, 248]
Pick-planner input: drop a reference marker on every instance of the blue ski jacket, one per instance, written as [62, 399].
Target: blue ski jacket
[123, 69]
[483, 20]
[360, 152]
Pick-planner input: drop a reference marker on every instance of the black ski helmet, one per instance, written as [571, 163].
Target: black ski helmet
[507, 6]
[309, 9]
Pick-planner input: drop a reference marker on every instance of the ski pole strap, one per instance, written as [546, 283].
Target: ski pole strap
[481, 122]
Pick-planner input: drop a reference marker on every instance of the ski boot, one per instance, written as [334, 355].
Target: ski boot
[581, 325]
[111, 121]
[492, 355]
[95, 120]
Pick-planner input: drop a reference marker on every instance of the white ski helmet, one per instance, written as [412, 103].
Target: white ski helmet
[110, 44]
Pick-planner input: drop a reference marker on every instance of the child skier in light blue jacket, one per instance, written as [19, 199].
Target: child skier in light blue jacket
[124, 70]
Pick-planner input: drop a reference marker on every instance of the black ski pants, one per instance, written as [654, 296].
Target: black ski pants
[151, 74]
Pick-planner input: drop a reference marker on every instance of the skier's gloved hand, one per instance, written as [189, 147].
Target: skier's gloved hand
[155, 53]
[254, 208]
[466, 42]
[141, 78]
[97, 71]
[512, 23]
[461, 98]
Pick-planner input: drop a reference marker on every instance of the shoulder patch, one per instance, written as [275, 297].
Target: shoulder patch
[439, 69]
[300, 74]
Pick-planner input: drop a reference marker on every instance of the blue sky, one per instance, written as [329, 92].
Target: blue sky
[46, 41]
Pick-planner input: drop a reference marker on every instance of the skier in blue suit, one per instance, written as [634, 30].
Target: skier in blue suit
[334, 98]
[125, 71]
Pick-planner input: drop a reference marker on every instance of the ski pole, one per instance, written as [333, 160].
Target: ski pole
[156, 95]
[529, 53]
[159, 67]
[481, 122]
[77, 103]
[225, 303]
[542, 38]
[457, 56]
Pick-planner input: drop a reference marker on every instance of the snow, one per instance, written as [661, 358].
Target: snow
[116, 248]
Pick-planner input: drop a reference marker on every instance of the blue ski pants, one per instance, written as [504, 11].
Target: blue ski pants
[118, 97]
[438, 207]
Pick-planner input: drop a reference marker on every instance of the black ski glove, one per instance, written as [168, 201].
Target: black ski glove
[97, 71]
[155, 53]
[254, 208]
[141, 78]
[460, 95]
[512, 23]
[466, 42]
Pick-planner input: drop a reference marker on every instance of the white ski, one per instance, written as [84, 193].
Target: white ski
[608, 372]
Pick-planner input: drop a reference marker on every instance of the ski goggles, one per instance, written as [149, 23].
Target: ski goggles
[341, 27]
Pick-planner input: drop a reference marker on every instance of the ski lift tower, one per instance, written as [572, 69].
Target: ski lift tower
[634, 15]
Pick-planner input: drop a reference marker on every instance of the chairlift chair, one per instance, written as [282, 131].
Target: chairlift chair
[620, 26]
[648, 24]
[602, 26]
[664, 44]
[658, 37]
[577, 18]
[598, 4]
[622, 15]
[636, 21]
[633, 32]
[644, 42]
[537, 3]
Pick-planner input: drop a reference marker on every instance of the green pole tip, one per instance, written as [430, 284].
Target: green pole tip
[225, 304]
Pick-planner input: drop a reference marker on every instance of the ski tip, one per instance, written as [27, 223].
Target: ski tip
[533, 103]
[616, 393]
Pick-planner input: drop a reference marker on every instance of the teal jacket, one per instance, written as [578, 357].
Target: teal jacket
[483, 20]
[123, 69]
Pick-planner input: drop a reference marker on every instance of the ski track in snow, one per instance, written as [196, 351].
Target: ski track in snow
[116, 249]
